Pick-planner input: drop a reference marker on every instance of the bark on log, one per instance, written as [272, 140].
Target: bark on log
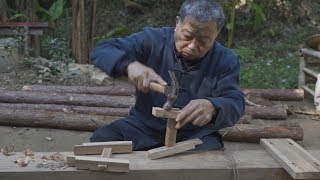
[278, 94]
[107, 111]
[66, 99]
[50, 119]
[253, 133]
[277, 113]
[119, 90]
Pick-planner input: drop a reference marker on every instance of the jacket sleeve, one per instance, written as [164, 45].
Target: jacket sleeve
[107, 55]
[228, 99]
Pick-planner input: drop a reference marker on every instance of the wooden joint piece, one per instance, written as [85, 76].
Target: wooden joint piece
[96, 148]
[178, 148]
[162, 113]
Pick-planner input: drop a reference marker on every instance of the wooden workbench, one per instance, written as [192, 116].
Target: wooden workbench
[252, 165]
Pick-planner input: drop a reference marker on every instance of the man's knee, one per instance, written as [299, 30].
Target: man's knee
[210, 142]
[107, 133]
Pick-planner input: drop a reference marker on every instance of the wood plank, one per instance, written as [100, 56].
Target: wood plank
[251, 164]
[97, 147]
[162, 113]
[9, 31]
[294, 159]
[106, 152]
[171, 133]
[178, 148]
[102, 164]
[22, 24]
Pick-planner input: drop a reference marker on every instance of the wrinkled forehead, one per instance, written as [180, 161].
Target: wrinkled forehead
[192, 25]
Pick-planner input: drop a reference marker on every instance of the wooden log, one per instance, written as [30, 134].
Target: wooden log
[277, 113]
[50, 119]
[253, 133]
[278, 94]
[107, 111]
[118, 90]
[67, 98]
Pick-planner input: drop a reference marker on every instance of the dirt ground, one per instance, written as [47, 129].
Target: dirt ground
[53, 140]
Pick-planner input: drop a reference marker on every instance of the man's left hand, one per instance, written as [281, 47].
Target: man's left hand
[199, 112]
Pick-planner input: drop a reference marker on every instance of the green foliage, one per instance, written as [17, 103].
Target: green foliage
[53, 14]
[120, 31]
[259, 15]
[57, 48]
[18, 16]
[266, 70]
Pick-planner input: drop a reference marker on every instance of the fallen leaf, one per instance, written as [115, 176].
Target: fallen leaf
[49, 138]
[23, 161]
[8, 150]
[28, 152]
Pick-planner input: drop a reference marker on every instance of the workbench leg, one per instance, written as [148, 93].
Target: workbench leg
[171, 133]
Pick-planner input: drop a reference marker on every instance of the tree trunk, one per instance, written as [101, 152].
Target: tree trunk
[3, 11]
[50, 119]
[79, 38]
[93, 7]
[279, 113]
[277, 94]
[106, 111]
[66, 99]
[120, 90]
[253, 133]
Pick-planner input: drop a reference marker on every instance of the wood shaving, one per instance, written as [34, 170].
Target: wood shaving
[28, 152]
[23, 161]
[8, 150]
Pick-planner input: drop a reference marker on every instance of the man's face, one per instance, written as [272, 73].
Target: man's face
[193, 39]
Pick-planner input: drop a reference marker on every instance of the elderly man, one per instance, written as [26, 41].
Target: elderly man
[208, 74]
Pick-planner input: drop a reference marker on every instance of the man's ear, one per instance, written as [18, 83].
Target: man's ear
[177, 20]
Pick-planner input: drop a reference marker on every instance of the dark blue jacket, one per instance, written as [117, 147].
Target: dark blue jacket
[215, 77]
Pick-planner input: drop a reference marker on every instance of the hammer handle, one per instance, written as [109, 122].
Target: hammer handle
[157, 87]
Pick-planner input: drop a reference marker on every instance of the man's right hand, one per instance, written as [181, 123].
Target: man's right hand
[141, 76]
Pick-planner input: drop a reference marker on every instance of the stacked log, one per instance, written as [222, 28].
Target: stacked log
[87, 108]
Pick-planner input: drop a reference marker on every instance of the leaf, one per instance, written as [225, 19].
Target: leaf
[8, 150]
[229, 26]
[16, 16]
[56, 9]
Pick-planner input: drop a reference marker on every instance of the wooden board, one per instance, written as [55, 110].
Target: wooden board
[293, 158]
[171, 133]
[162, 113]
[251, 164]
[102, 164]
[178, 148]
[97, 147]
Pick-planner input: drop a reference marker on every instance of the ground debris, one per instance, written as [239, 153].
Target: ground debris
[23, 161]
[8, 150]
[28, 152]
[52, 165]
[55, 157]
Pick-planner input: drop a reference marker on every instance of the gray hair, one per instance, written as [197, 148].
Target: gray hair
[203, 11]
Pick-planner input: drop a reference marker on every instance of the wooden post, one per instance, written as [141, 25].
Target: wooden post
[92, 24]
[302, 76]
[79, 38]
[171, 133]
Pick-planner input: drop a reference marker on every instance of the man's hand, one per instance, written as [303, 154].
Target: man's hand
[199, 112]
[141, 76]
